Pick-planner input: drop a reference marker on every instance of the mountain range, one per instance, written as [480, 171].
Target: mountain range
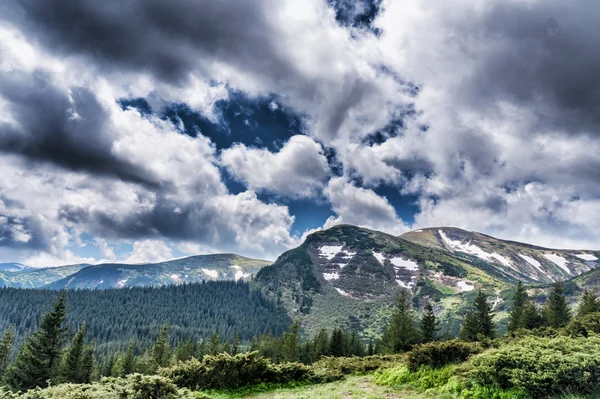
[350, 276]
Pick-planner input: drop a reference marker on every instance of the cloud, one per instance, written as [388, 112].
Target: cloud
[298, 169]
[362, 207]
[149, 251]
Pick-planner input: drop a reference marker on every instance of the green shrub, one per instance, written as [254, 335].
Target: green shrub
[135, 386]
[540, 367]
[585, 325]
[224, 371]
[440, 354]
[424, 378]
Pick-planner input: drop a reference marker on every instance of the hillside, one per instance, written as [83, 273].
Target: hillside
[525, 262]
[349, 276]
[117, 275]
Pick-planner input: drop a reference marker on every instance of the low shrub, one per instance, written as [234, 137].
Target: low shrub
[424, 378]
[228, 372]
[584, 326]
[540, 367]
[135, 386]
[440, 354]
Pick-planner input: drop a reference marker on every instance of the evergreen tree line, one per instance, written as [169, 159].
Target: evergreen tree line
[116, 316]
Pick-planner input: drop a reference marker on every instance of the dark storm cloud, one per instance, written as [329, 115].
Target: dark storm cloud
[68, 132]
[356, 13]
[21, 233]
[543, 56]
[165, 38]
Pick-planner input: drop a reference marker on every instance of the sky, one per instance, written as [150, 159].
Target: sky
[145, 130]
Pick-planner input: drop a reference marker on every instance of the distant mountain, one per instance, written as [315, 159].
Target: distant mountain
[349, 276]
[14, 267]
[525, 262]
[37, 278]
[179, 271]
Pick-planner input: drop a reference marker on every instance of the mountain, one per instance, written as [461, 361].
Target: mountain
[350, 276]
[179, 271]
[528, 263]
[14, 267]
[36, 278]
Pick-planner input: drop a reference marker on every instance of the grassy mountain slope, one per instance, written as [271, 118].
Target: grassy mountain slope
[524, 262]
[179, 271]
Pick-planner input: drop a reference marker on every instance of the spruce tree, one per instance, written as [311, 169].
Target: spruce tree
[588, 304]
[336, 345]
[214, 346]
[478, 321]
[531, 316]
[127, 362]
[236, 344]
[290, 344]
[37, 360]
[321, 344]
[161, 352]
[72, 359]
[402, 333]
[6, 346]
[515, 319]
[86, 364]
[429, 324]
[556, 312]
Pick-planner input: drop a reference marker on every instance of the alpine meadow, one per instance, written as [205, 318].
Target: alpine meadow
[282, 199]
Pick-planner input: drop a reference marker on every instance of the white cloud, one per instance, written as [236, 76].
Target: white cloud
[299, 169]
[149, 251]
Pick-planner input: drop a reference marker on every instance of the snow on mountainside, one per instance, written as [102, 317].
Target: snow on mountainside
[521, 261]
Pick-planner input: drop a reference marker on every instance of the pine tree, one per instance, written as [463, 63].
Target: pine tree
[429, 324]
[515, 319]
[6, 346]
[161, 352]
[336, 345]
[290, 344]
[588, 304]
[531, 316]
[236, 344]
[72, 358]
[402, 333]
[214, 346]
[478, 321]
[38, 358]
[556, 312]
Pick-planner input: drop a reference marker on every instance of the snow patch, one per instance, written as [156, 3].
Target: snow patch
[211, 273]
[330, 251]
[236, 267]
[174, 276]
[379, 256]
[472, 249]
[405, 263]
[465, 287]
[533, 262]
[348, 254]
[405, 285]
[342, 265]
[587, 257]
[331, 276]
[121, 283]
[341, 292]
[418, 231]
[558, 261]
[496, 302]
[240, 274]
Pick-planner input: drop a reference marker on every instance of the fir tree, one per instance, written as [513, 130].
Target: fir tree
[336, 345]
[321, 346]
[290, 344]
[214, 346]
[128, 361]
[478, 321]
[515, 319]
[531, 316]
[429, 324]
[556, 312]
[72, 359]
[588, 304]
[161, 352]
[86, 364]
[402, 333]
[6, 346]
[38, 358]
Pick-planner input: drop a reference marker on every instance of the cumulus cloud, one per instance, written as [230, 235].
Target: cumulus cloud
[298, 169]
[149, 251]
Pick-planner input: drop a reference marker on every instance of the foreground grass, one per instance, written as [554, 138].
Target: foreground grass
[353, 387]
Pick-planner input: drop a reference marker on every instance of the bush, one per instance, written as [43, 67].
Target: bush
[224, 371]
[424, 378]
[135, 386]
[540, 367]
[440, 354]
[584, 326]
